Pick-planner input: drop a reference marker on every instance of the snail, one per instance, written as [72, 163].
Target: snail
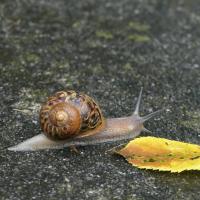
[70, 118]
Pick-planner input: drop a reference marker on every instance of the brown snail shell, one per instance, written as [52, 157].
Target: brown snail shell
[68, 113]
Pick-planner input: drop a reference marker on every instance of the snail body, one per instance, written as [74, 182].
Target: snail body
[70, 118]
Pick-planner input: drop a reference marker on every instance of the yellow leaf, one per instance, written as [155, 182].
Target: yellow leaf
[162, 154]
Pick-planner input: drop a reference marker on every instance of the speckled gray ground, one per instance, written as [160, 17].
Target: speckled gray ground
[108, 49]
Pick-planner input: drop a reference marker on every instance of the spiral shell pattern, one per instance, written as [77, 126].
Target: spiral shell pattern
[69, 113]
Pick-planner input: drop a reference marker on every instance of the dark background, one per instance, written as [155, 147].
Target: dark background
[108, 49]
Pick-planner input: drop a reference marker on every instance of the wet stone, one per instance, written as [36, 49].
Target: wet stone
[107, 49]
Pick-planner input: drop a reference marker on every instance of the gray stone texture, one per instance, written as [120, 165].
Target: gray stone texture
[108, 49]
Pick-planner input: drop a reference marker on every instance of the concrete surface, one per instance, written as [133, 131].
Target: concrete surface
[108, 49]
